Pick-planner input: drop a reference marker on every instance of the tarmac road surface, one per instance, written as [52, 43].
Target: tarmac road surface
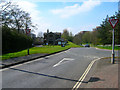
[61, 70]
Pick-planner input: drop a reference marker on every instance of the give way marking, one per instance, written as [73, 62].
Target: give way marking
[64, 60]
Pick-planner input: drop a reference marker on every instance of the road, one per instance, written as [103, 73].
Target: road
[61, 70]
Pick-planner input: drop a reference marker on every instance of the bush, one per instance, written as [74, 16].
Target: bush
[12, 41]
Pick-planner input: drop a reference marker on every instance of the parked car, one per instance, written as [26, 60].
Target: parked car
[87, 45]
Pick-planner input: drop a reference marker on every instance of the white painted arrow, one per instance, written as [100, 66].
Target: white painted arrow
[64, 59]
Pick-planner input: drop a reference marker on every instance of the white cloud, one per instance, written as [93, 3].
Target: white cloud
[68, 11]
[88, 27]
[35, 14]
[31, 9]
[42, 24]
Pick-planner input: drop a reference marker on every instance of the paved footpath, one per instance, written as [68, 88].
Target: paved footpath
[102, 75]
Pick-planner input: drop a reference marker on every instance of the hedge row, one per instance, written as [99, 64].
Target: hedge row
[12, 41]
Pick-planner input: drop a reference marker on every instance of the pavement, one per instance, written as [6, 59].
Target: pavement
[102, 75]
[19, 60]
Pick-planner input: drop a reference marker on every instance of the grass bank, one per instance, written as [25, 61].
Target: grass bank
[108, 47]
[37, 50]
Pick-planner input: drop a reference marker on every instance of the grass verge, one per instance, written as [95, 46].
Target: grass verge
[37, 50]
[108, 47]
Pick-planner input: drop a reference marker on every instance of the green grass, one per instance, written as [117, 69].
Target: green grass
[37, 50]
[108, 47]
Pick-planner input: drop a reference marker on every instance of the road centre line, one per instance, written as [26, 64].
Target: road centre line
[30, 61]
[77, 85]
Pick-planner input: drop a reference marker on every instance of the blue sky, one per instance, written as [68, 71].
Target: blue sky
[74, 16]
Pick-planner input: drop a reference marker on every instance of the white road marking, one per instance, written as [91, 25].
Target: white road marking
[68, 59]
[21, 64]
[91, 56]
[31, 61]
[77, 85]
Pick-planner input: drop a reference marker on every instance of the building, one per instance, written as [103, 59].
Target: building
[97, 28]
[51, 38]
[83, 32]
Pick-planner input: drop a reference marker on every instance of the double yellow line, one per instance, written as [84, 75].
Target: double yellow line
[77, 85]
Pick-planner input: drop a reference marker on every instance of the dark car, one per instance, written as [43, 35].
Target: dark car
[87, 45]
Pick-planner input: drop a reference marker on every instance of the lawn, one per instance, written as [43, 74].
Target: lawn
[37, 50]
[108, 47]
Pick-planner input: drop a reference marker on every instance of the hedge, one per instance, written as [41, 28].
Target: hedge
[12, 41]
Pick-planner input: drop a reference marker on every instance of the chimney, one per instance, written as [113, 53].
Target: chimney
[47, 30]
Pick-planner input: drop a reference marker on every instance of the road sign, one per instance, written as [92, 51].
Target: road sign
[113, 22]
[27, 31]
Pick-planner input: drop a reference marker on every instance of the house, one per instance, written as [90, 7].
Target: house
[50, 38]
[60, 41]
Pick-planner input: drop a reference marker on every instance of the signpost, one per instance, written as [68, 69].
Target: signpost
[28, 32]
[113, 23]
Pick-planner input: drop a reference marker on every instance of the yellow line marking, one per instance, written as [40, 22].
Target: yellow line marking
[82, 76]
[77, 85]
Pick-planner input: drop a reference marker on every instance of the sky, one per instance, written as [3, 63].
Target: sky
[74, 15]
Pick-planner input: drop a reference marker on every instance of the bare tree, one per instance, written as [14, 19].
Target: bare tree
[14, 17]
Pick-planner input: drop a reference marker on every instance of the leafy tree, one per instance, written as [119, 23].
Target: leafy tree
[77, 39]
[12, 41]
[86, 38]
[95, 40]
[117, 29]
[105, 32]
[14, 17]
[70, 38]
[65, 34]
[14, 20]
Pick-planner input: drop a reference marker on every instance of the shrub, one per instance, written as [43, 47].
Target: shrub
[12, 41]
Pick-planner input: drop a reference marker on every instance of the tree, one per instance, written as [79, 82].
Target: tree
[105, 32]
[70, 38]
[65, 34]
[117, 29]
[16, 18]
[77, 39]
[95, 40]
[86, 38]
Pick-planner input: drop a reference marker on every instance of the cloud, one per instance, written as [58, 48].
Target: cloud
[69, 11]
[32, 9]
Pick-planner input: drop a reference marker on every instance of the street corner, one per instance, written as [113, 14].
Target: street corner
[103, 75]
